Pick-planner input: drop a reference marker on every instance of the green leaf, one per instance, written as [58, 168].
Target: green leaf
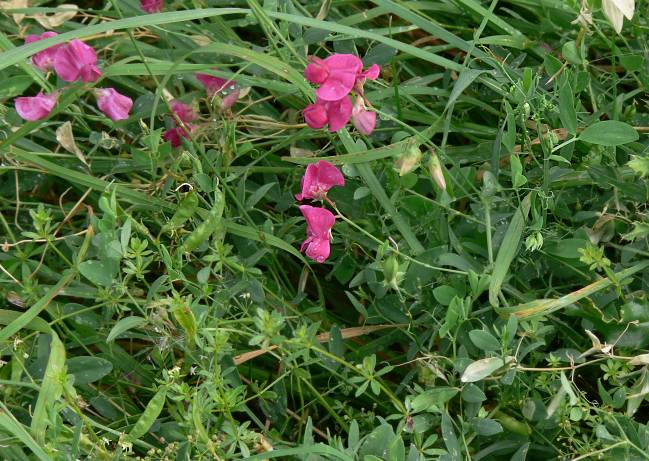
[567, 111]
[508, 249]
[88, 369]
[473, 394]
[486, 427]
[518, 179]
[432, 398]
[480, 369]
[462, 83]
[484, 340]
[450, 439]
[609, 133]
[123, 325]
[51, 388]
[97, 272]
[12, 426]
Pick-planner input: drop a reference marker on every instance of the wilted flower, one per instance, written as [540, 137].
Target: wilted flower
[616, 10]
[175, 135]
[116, 106]
[334, 113]
[151, 6]
[363, 119]
[37, 107]
[185, 112]
[319, 222]
[227, 90]
[318, 179]
[44, 60]
[75, 61]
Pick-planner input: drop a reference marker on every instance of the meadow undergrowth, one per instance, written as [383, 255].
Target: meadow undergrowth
[471, 278]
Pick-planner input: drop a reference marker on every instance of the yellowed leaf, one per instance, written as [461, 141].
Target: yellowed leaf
[52, 21]
[65, 137]
[14, 5]
[201, 40]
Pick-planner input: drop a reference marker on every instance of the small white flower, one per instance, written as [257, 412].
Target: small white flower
[616, 10]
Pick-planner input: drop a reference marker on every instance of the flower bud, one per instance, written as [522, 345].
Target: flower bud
[390, 269]
[436, 171]
[409, 160]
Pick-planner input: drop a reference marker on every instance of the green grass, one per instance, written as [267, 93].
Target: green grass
[155, 304]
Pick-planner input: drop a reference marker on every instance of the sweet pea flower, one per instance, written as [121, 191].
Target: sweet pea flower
[227, 90]
[363, 119]
[338, 75]
[151, 6]
[318, 179]
[75, 61]
[334, 113]
[44, 60]
[175, 135]
[185, 112]
[319, 222]
[114, 105]
[37, 107]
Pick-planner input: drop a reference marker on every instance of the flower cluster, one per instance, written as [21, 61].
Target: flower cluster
[339, 76]
[73, 61]
[316, 182]
[227, 90]
[152, 6]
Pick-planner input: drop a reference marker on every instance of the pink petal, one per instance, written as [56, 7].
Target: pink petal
[212, 84]
[372, 72]
[316, 72]
[338, 113]
[185, 112]
[343, 70]
[328, 175]
[151, 6]
[318, 179]
[76, 60]
[319, 221]
[364, 121]
[35, 107]
[116, 106]
[315, 116]
[318, 249]
[44, 60]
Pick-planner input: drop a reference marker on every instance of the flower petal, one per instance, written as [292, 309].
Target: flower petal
[116, 106]
[35, 107]
[338, 113]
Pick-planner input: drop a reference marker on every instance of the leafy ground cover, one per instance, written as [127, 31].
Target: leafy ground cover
[485, 295]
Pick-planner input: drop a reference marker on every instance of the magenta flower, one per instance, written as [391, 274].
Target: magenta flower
[338, 75]
[75, 61]
[152, 6]
[44, 60]
[114, 105]
[318, 179]
[175, 135]
[363, 119]
[185, 112]
[319, 222]
[227, 90]
[334, 113]
[37, 107]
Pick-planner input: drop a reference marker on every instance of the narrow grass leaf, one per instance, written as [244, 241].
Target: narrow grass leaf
[508, 249]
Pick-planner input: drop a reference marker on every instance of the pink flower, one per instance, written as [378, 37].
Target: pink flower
[185, 112]
[334, 113]
[364, 120]
[318, 179]
[227, 90]
[116, 106]
[338, 75]
[175, 135]
[151, 6]
[319, 222]
[75, 61]
[44, 60]
[35, 107]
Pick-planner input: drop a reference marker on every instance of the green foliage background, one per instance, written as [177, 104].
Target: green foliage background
[155, 304]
